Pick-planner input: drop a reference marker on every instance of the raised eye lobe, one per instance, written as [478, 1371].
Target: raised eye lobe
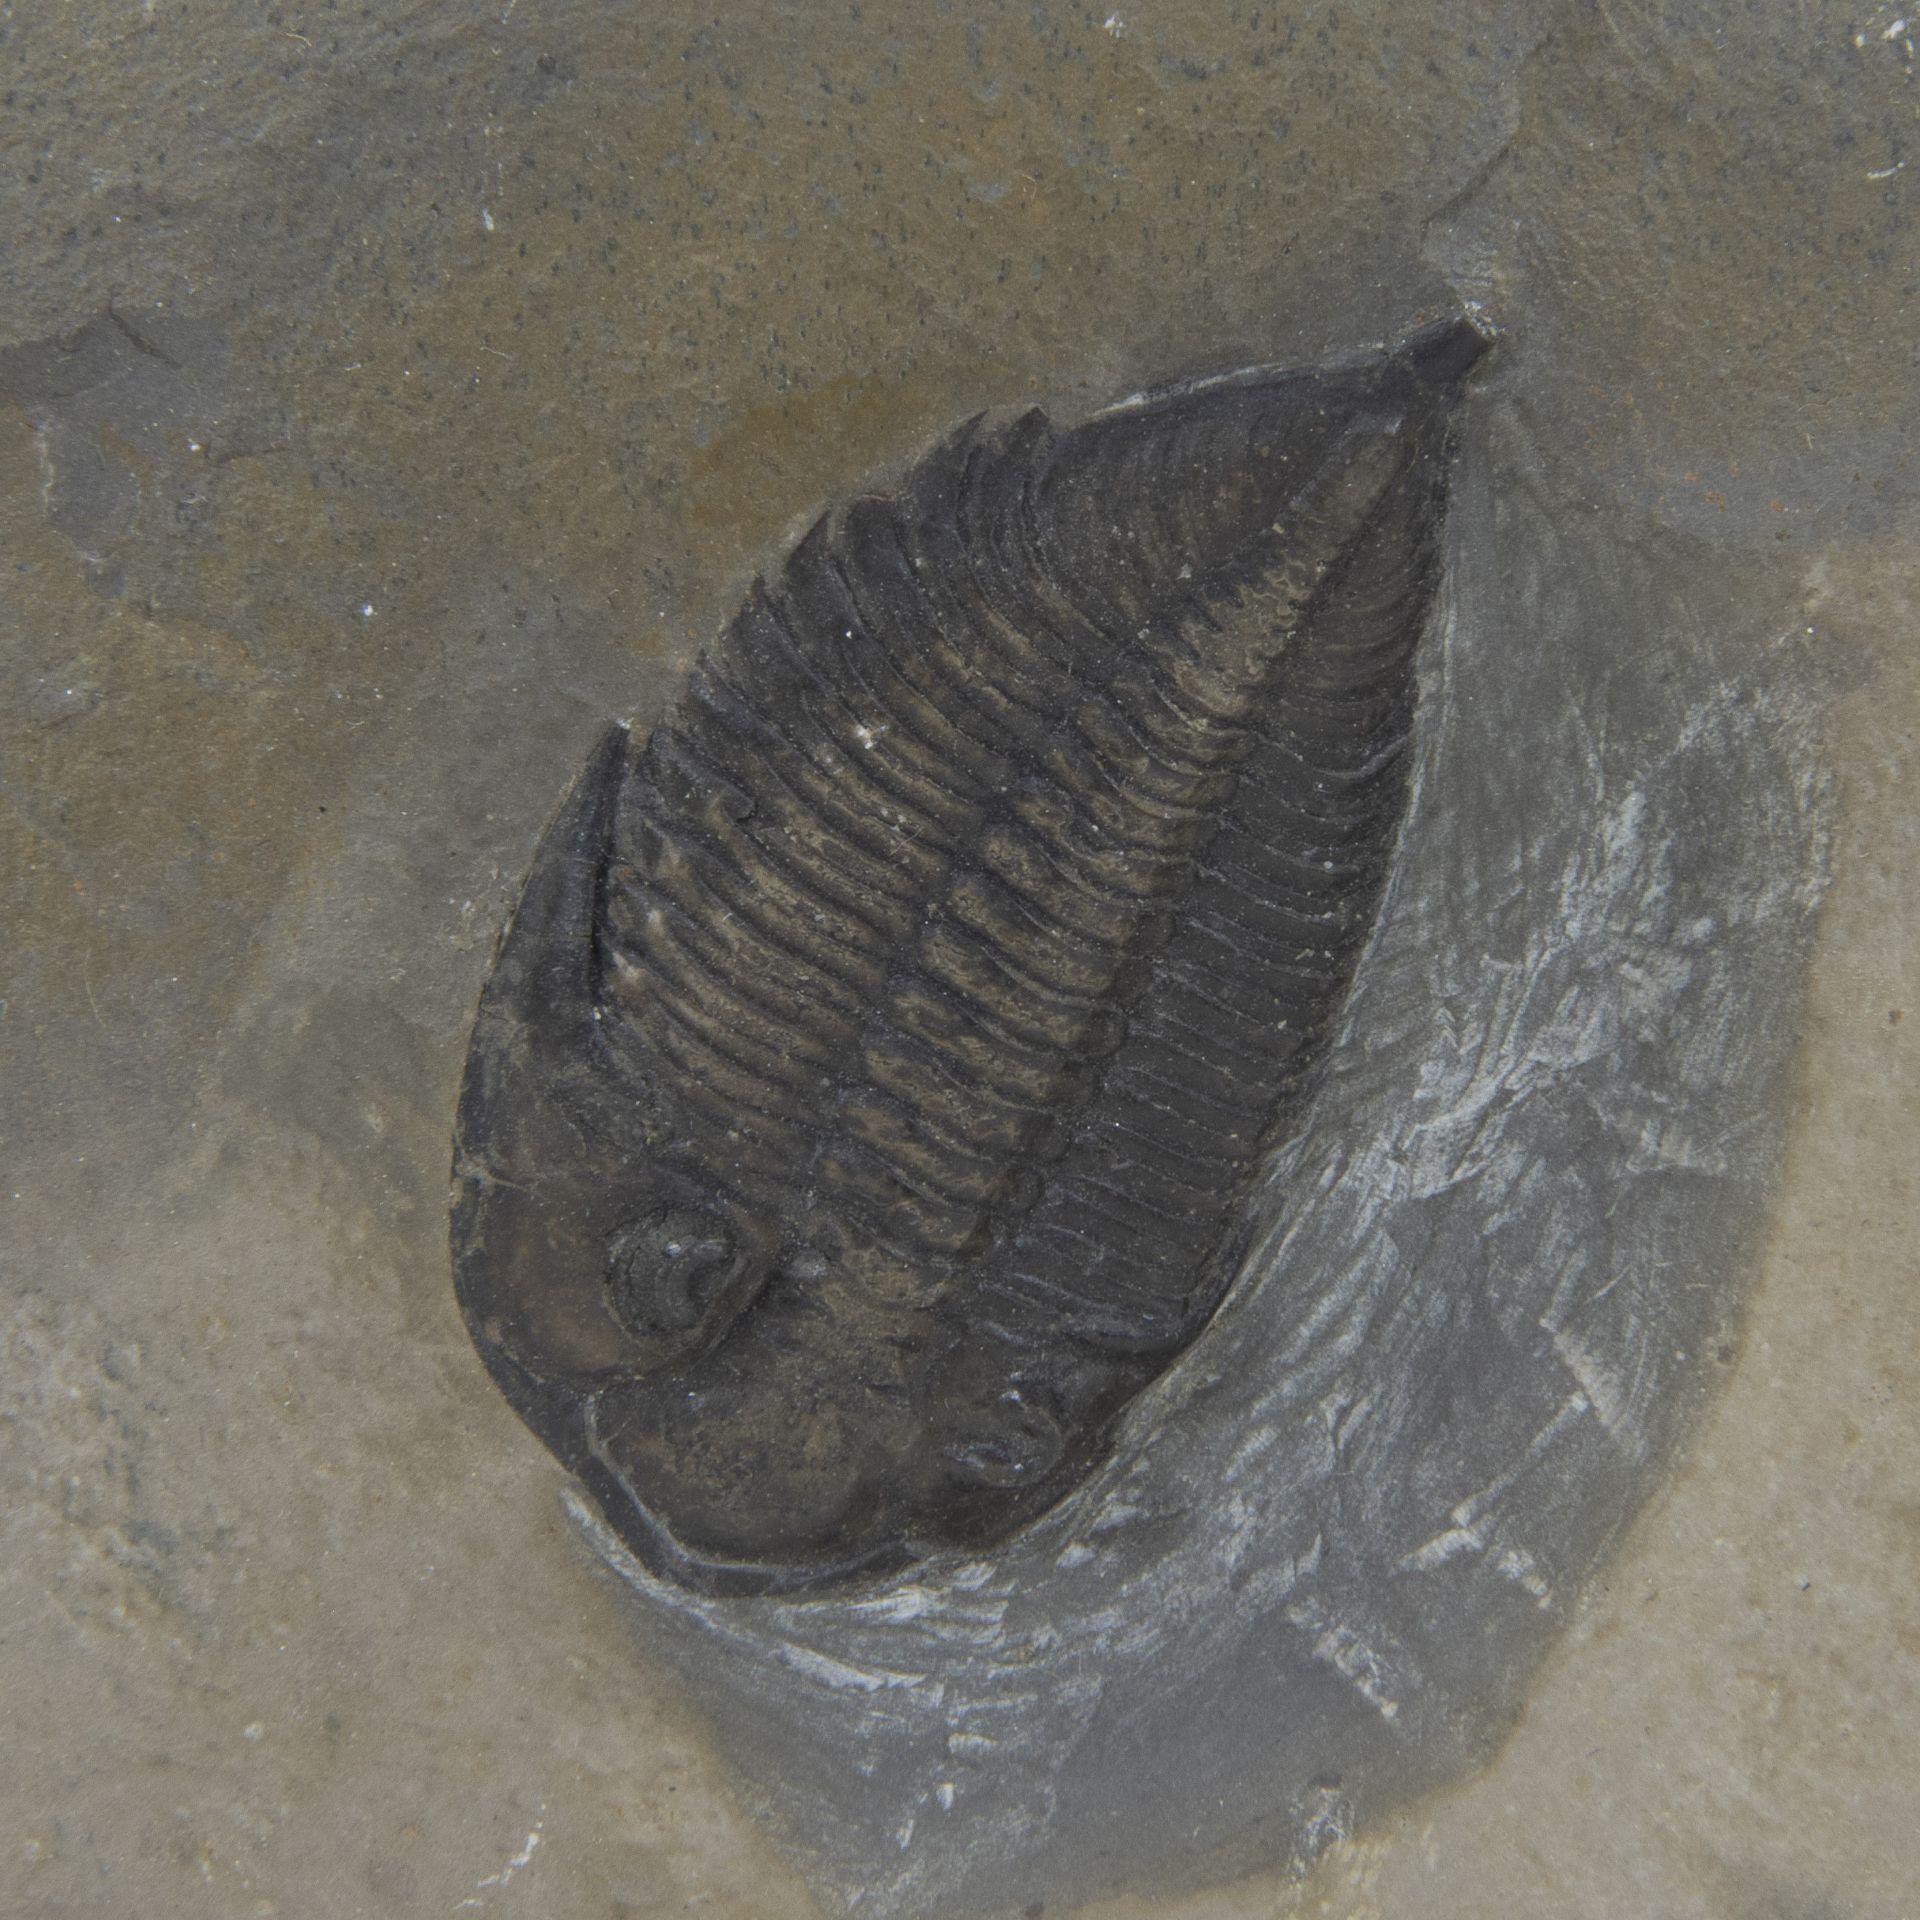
[677, 1280]
[1009, 1442]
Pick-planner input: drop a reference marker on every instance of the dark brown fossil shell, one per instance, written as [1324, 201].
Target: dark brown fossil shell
[865, 1100]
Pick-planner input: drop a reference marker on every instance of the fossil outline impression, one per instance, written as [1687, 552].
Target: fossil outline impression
[866, 1098]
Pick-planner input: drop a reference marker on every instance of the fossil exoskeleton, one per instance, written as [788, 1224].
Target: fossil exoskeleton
[864, 1103]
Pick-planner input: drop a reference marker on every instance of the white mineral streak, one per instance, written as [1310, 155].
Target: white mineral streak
[1332, 1539]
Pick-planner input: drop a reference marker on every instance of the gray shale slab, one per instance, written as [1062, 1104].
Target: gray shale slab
[387, 401]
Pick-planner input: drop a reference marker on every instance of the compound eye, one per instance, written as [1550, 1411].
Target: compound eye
[677, 1280]
[1013, 1440]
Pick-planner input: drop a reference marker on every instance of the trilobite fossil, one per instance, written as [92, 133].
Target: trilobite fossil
[865, 1099]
